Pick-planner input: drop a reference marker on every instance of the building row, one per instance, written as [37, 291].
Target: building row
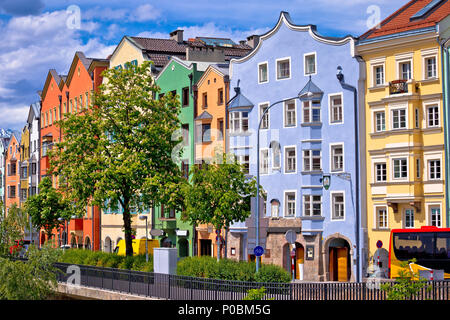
[349, 137]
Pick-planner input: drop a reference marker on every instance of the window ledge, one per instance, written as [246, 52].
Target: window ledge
[381, 229]
[379, 87]
[311, 124]
[313, 172]
[317, 218]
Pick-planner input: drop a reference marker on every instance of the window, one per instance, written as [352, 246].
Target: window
[275, 208]
[433, 116]
[185, 96]
[311, 111]
[378, 75]
[289, 114]
[380, 121]
[283, 69]
[290, 161]
[206, 132]
[418, 168]
[220, 129]
[265, 119]
[337, 156]
[23, 194]
[33, 168]
[435, 216]
[24, 172]
[81, 103]
[289, 199]
[380, 172]
[220, 96]
[205, 100]
[238, 122]
[405, 70]
[399, 119]
[400, 168]
[185, 133]
[12, 191]
[312, 205]
[312, 160]
[13, 169]
[185, 168]
[434, 172]
[382, 218]
[262, 73]
[264, 163]
[336, 109]
[417, 118]
[276, 155]
[409, 218]
[337, 203]
[310, 64]
[430, 68]
[244, 160]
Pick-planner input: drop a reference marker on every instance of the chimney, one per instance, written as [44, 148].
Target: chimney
[177, 35]
[253, 40]
[242, 42]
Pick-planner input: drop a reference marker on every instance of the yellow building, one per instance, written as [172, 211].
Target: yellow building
[404, 124]
[24, 164]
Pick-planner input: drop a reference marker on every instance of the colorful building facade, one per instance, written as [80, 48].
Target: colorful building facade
[12, 177]
[405, 145]
[308, 135]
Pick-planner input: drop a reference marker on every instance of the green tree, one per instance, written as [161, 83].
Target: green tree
[405, 286]
[47, 207]
[34, 279]
[121, 151]
[12, 226]
[220, 194]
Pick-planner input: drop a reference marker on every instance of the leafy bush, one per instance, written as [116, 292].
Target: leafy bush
[227, 269]
[256, 294]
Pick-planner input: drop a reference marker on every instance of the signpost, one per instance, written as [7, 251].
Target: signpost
[258, 251]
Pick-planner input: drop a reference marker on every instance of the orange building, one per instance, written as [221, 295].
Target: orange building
[212, 92]
[62, 95]
[12, 177]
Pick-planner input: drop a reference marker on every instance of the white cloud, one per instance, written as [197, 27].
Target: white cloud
[144, 13]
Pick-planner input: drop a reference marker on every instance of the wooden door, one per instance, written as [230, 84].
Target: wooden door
[299, 254]
[331, 264]
[342, 254]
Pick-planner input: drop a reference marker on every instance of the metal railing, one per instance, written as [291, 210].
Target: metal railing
[177, 287]
[398, 86]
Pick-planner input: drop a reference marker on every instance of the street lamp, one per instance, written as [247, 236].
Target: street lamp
[142, 217]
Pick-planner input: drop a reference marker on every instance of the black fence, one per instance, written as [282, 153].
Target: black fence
[176, 287]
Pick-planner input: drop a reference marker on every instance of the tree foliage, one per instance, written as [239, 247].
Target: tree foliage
[47, 207]
[12, 228]
[119, 152]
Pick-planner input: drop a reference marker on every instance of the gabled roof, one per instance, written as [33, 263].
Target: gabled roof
[219, 68]
[310, 91]
[51, 74]
[79, 56]
[285, 19]
[415, 15]
[204, 116]
[35, 111]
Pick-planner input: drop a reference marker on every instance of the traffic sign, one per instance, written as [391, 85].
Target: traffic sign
[290, 236]
[258, 251]
[379, 244]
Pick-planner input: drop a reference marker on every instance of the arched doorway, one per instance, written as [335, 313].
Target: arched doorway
[87, 243]
[183, 248]
[108, 245]
[339, 262]
[299, 261]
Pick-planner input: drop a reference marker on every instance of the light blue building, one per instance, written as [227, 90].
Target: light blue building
[307, 136]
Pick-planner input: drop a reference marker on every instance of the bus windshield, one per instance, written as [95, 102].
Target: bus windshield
[422, 245]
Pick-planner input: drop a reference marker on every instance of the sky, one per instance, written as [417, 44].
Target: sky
[38, 35]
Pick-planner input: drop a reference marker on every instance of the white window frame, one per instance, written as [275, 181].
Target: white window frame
[332, 195]
[375, 113]
[263, 160]
[285, 159]
[285, 104]
[259, 74]
[276, 68]
[308, 54]
[375, 177]
[332, 145]
[311, 160]
[376, 217]
[427, 107]
[426, 54]
[273, 158]
[429, 169]
[413, 218]
[285, 207]
[405, 58]
[240, 118]
[330, 108]
[391, 113]
[429, 207]
[241, 160]
[393, 168]
[310, 112]
[260, 113]
[312, 205]
[272, 208]
[379, 62]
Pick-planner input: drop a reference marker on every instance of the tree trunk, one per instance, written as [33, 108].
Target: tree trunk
[127, 228]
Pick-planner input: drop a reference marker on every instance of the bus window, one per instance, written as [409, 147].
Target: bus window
[442, 245]
[414, 245]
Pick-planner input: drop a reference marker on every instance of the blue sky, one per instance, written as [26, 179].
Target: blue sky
[36, 36]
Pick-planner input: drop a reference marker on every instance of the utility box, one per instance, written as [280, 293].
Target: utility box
[165, 260]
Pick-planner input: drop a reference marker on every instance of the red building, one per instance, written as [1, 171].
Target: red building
[62, 95]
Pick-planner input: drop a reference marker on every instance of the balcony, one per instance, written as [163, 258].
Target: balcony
[398, 86]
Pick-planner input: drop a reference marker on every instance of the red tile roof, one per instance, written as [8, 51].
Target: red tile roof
[400, 21]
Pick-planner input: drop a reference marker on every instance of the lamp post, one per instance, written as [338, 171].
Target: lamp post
[142, 217]
[340, 77]
[257, 166]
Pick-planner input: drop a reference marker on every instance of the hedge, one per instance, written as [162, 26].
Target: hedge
[227, 269]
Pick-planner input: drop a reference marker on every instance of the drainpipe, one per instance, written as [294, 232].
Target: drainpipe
[346, 86]
[445, 85]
